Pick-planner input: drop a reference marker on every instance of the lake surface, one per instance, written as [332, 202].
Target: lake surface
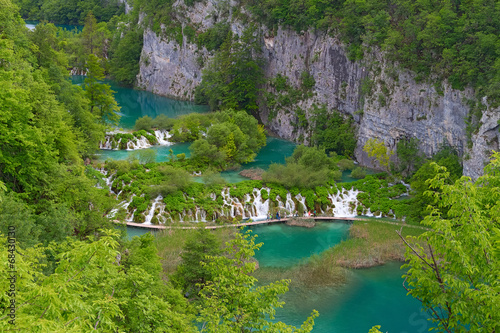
[286, 245]
[32, 24]
[135, 104]
[372, 296]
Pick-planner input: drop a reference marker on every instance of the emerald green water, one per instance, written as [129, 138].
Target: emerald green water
[32, 24]
[373, 296]
[138, 103]
[285, 245]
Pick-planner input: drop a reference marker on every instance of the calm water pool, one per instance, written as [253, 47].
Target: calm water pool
[373, 296]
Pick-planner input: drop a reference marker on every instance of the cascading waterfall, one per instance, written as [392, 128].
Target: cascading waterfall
[109, 182]
[162, 136]
[131, 217]
[151, 213]
[281, 207]
[252, 205]
[200, 215]
[301, 200]
[290, 204]
[107, 144]
[234, 205]
[141, 143]
[345, 203]
[261, 209]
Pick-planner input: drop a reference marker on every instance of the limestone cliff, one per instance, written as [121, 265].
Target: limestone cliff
[385, 101]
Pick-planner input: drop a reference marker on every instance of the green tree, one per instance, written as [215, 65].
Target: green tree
[409, 156]
[453, 268]
[307, 167]
[205, 153]
[333, 131]
[191, 274]
[231, 302]
[100, 95]
[95, 37]
[233, 77]
[93, 286]
[126, 54]
[143, 123]
[376, 148]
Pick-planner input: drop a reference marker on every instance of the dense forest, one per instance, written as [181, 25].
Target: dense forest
[76, 271]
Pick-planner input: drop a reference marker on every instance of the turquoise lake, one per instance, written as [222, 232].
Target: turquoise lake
[32, 24]
[372, 296]
[135, 104]
[285, 245]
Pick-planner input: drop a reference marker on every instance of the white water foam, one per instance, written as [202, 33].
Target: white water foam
[151, 212]
[345, 203]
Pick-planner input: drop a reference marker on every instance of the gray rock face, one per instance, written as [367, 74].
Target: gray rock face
[395, 106]
[484, 141]
[167, 68]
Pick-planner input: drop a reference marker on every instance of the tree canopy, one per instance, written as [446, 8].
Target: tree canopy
[454, 268]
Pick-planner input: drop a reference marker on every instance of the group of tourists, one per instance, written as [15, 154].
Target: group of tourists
[309, 213]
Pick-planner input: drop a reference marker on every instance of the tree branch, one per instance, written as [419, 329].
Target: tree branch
[414, 251]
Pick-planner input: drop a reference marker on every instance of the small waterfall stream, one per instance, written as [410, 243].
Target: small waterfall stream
[162, 136]
[151, 213]
[141, 142]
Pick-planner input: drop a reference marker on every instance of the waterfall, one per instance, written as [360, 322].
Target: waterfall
[128, 203]
[131, 218]
[107, 144]
[162, 136]
[290, 205]
[109, 182]
[344, 203]
[260, 209]
[280, 203]
[301, 200]
[142, 143]
[230, 202]
[113, 212]
[151, 213]
[200, 215]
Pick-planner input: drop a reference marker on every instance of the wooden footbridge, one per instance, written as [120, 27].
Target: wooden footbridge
[285, 219]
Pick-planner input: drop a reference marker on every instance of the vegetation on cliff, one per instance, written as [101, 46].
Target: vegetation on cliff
[453, 40]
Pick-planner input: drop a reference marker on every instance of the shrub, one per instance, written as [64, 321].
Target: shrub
[358, 173]
[143, 123]
[345, 164]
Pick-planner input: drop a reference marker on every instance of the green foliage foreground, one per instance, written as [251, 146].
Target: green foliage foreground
[456, 273]
[95, 285]
[231, 302]
[102, 285]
